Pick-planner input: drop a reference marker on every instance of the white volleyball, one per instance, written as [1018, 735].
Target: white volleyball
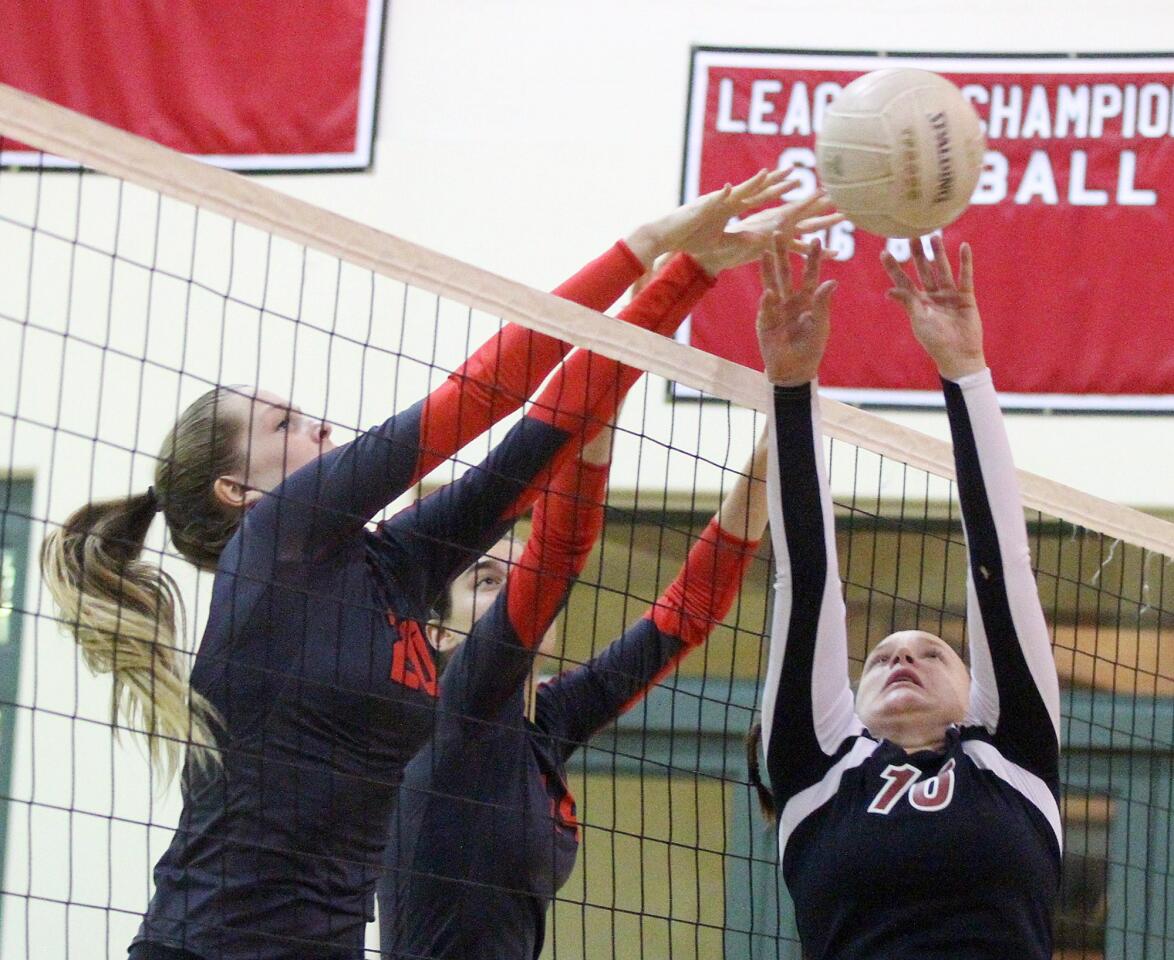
[900, 151]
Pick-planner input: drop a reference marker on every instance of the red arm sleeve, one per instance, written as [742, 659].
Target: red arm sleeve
[567, 521]
[575, 705]
[585, 392]
[704, 590]
[504, 371]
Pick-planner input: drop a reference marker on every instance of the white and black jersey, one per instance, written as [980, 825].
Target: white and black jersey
[926, 855]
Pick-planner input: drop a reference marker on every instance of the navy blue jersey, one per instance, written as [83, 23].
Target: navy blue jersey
[952, 854]
[485, 831]
[314, 653]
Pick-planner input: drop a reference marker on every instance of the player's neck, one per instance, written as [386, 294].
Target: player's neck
[913, 737]
[920, 744]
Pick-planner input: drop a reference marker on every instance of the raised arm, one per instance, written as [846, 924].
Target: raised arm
[446, 530]
[576, 704]
[1014, 690]
[496, 658]
[443, 533]
[507, 369]
[807, 708]
[321, 506]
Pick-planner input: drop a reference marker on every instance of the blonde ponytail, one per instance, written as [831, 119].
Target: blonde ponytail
[126, 615]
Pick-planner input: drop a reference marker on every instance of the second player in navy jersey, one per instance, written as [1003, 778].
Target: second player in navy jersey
[922, 819]
[485, 830]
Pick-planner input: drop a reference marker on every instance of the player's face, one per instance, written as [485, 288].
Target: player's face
[473, 593]
[278, 439]
[913, 685]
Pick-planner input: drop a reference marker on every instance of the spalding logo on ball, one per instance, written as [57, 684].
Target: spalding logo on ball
[900, 151]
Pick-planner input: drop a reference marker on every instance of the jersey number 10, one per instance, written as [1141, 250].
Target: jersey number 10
[927, 796]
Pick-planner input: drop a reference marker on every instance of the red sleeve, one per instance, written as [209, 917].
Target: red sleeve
[576, 704]
[597, 285]
[705, 588]
[504, 371]
[587, 389]
[567, 521]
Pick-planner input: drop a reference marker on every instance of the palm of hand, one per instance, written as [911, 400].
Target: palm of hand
[793, 324]
[792, 343]
[946, 318]
[943, 312]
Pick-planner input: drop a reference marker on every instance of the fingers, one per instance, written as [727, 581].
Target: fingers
[941, 260]
[965, 269]
[811, 267]
[817, 204]
[821, 302]
[766, 270]
[900, 279]
[782, 259]
[768, 194]
[768, 308]
[775, 270]
[765, 221]
[925, 270]
[815, 224]
[907, 299]
[751, 187]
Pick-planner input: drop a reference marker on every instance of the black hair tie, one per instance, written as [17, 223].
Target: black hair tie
[156, 503]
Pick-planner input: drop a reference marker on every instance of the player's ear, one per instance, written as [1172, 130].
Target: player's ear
[232, 493]
[442, 639]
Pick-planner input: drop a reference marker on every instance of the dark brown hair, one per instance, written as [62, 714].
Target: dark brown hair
[765, 799]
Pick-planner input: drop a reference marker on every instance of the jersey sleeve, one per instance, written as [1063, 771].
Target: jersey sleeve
[495, 659]
[807, 704]
[447, 530]
[505, 371]
[1014, 690]
[576, 704]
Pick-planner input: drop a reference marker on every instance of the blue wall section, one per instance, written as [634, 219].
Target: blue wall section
[15, 509]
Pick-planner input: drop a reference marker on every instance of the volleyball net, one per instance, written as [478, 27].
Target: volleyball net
[142, 278]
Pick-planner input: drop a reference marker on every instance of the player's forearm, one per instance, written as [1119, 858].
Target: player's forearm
[1002, 582]
[743, 512]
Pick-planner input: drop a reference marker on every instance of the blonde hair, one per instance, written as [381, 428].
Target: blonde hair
[126, 614]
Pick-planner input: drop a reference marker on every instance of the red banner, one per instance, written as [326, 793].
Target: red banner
[1070, 224]
[247, 84]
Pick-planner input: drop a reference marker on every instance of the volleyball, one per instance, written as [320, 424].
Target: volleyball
[900, 151]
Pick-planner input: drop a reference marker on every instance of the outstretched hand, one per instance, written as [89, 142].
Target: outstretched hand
[745, 241]
[943, 312]
[793, 323]
[702, 228]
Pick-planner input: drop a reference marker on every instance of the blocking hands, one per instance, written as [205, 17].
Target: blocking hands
[942, 311]
[793, 317]
[703, 227]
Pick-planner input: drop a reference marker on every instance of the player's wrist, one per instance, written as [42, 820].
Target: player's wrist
[955, 368]
[646, 244]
